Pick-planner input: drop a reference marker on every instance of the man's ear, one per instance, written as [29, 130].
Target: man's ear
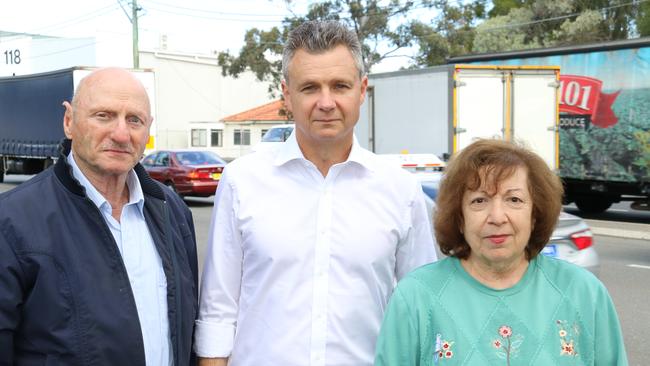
[67, 120]
[364, 87]
[286, 95]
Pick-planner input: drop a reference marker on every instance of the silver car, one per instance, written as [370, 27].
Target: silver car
[572, 239]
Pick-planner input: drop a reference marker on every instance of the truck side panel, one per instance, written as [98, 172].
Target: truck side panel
[604, 114]
[410, 113]
[31, 118]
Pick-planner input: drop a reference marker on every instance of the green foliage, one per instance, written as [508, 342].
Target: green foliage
[617, 153]
[370, 19]
[503, 7]
[451, 34]
[643, 19]
[523, 24]
[459, 27]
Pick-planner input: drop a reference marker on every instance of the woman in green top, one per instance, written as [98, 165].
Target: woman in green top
[494, 300]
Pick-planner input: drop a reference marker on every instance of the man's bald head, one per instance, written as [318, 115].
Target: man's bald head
[108, 122]
[112, 75]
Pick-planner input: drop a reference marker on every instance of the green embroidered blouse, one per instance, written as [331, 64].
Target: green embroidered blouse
[558, 314]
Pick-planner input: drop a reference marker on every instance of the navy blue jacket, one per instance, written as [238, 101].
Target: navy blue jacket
[65, 297]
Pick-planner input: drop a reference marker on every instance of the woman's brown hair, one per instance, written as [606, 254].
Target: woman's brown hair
[496, 160]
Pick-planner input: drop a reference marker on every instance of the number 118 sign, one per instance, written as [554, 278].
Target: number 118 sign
[14, 56]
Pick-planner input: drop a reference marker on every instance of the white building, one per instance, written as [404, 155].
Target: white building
[236, 135]
[191, 89]
[24, 53]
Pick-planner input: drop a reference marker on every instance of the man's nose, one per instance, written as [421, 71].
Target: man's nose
[120, 131]
[326, 100]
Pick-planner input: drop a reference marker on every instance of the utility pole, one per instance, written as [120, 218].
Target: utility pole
[134, 23]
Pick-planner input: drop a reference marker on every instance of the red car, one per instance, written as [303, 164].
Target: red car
[186, 172]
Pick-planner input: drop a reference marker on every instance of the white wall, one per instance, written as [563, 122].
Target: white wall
[191, 88]
[41, 54]
[228, 150]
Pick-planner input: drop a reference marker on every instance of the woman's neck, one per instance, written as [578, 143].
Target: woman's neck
[496, 275]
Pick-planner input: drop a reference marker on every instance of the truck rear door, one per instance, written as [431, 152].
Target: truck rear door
[517, 103]
[478, 104]
[535, 113]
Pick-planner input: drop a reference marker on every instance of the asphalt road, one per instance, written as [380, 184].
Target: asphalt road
[625, 264]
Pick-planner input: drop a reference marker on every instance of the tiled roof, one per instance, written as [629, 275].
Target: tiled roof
[266, 112]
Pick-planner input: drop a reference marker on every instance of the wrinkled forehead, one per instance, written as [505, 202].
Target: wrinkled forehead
[104, 91]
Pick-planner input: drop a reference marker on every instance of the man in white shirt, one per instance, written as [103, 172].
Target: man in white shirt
[308, 239]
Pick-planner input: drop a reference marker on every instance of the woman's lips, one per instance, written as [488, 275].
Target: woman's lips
[497, 239]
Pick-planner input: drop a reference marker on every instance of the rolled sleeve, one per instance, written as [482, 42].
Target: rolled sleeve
[213, 339]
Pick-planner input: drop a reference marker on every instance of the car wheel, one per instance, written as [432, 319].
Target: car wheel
[593, 205]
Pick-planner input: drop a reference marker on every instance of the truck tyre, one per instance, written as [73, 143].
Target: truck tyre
[2, 170]
[593, 205]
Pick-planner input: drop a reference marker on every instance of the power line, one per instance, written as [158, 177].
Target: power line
[77, 20]
[210, 11]
[516, 25]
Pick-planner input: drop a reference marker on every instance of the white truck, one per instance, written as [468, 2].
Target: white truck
[442, 109]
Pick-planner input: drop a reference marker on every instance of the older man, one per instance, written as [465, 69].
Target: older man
[97, 260]
[309, 239]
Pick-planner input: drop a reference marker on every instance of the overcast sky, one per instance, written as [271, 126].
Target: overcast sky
[200, 26]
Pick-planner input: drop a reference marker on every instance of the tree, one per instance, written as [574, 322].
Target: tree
[547, 23]
[643, 19]
[450, 34]
[373, 22]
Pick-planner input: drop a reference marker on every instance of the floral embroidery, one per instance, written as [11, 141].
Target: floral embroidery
[505, 331]
[508, 346]
[567, 349]
[442, 349]
[567, 335]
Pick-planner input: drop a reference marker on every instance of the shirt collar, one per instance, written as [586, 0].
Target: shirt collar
[135, 191]
[289, 150]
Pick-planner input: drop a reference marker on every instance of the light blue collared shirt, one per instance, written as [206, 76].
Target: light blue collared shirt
[142, 262]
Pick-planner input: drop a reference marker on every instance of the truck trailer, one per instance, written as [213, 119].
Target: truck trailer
[604, 118]
[31, 117]
[442, 109]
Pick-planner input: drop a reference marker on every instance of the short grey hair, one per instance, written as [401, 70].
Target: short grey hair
[318, 36]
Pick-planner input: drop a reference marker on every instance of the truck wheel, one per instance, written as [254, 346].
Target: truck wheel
[593, 205]
[2, 170]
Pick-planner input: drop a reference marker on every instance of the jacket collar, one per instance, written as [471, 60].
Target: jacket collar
[63, 172]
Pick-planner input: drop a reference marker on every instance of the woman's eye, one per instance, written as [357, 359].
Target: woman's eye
[478, 201]
[515, 201]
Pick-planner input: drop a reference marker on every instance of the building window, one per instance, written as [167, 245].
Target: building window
[199, 138]
[242, 137]
[216, 138]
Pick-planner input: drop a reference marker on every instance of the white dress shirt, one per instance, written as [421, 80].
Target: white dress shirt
[142, 262]
[299, 266]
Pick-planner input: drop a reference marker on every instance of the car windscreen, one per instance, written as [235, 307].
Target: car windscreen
[277, 134]
[199, 158]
